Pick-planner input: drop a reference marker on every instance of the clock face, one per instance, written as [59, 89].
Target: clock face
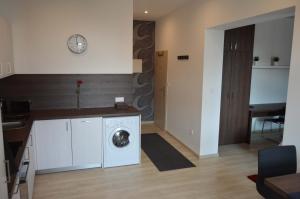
[77, 44]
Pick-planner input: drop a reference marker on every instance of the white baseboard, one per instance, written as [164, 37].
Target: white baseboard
[210, 156]
[147, 122]
[188, 148]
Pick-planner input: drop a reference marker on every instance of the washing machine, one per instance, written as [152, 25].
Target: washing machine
[122, 141]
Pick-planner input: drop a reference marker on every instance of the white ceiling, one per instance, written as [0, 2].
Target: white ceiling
[156, 8]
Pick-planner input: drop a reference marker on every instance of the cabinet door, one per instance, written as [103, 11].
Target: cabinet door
[53, 144]
[86, 141]
[236, 85]
[32, 163]
[3, 185]
[16, 195]
[226, 92]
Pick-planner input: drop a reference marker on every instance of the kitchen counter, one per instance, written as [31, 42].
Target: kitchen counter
[85, 112]
[22, 134]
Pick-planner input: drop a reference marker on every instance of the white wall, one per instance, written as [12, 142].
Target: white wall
[180, 34]
[183, 32]
[211, 95]
[291, 132]
[274, 39]
[41, 29]
[269, 86]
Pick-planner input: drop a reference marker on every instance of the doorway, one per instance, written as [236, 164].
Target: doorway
[160, 88]
[212, 77]
[255, 82]
[270, 77]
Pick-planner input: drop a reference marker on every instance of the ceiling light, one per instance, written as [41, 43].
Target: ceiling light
[146, 12]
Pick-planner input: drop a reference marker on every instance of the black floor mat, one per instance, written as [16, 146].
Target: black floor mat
[162, 154]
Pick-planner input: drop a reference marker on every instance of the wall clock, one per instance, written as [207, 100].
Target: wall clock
[77, 44]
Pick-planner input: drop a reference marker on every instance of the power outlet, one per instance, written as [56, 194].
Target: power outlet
[191, 132]
[119, 99]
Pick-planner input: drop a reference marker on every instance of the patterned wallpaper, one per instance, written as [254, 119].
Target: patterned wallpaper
[143, 84]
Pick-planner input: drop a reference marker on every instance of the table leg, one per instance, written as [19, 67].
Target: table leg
[249, 127]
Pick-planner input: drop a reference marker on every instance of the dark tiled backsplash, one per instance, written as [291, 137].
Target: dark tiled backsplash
[59, 91]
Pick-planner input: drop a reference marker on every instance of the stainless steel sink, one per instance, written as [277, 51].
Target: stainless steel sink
[13, 125]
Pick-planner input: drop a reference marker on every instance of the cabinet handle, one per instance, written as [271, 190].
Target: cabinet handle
[86, 121]
[230, 46]
[18, 186]
[31, 142]
[236, 46]
[9, 68]
[67, 126]
[7, 165]
[28, 153]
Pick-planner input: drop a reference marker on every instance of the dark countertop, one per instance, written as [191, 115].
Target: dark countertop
[84, 112]
[22, 134]
[265, 110]
[264, 107]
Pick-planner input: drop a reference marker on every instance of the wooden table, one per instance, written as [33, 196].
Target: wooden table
[263, 110]
[284, 185]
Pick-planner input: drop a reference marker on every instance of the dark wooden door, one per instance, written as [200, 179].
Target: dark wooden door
[226, 85]
[236, 84]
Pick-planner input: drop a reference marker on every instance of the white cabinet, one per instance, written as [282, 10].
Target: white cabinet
[3, 185]
[30, 155]
[61, 144]
[53, 144]
[16, 195]
[6, 52]
[16, 191]
[24, 187]
[274, 39]
[86, 141]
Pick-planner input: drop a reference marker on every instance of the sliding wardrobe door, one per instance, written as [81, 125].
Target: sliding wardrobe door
[237, 69]
[225, 117]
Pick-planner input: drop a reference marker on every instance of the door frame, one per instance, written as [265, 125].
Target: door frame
[212, 67]
[158, 54]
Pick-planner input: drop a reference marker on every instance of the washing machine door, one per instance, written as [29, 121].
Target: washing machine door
[121, 139]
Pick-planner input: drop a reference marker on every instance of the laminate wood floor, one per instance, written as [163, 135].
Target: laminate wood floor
[223, 177]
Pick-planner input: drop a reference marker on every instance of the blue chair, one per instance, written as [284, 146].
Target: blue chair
[294, 195]
[272, 162]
